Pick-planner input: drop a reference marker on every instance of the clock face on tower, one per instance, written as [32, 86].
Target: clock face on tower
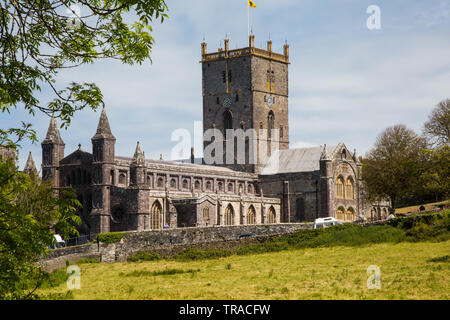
[227, 101]
[269, 102]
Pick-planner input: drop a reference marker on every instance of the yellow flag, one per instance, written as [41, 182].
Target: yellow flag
[251, 3]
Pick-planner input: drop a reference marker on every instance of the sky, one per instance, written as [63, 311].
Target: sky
[347, 83]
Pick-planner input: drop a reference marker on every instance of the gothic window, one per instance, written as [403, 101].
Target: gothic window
[237, 97]
[185, 184]
[208, 186]
[224, 76]
[340, 187]
[228, 216]
[281, 131]
[340, 214]
[350, 214]
[156, 217]
[270, 123]
[197, 185]
[173, 183]
[230, 187]
[271, 217]
[206, 214]
[122, 178]
[220, 186]
[229, 76]
[160, 182]
[251, 215]
[250, 188]
[241, 188]
[149, 181]
[112, 177]
[227, 120]
[349, 189]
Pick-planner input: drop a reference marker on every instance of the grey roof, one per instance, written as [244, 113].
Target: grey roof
[295, 160]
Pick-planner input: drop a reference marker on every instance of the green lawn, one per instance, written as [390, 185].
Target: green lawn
[408, 271]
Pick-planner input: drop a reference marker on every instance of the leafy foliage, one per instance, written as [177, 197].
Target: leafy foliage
[393, 167]
[437, 128]
[41, 38]
[29, 211]
[110, 237]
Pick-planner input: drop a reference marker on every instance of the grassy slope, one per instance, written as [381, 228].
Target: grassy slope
[414, 209]
[311, 273]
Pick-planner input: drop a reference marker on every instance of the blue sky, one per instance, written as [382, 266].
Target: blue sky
[347, 83]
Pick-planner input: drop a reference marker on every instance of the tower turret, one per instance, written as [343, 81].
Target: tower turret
[30, 166]
[52, 153]
[137, 168]
[103, 151]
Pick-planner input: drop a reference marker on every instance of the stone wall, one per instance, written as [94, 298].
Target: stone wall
[167, 242]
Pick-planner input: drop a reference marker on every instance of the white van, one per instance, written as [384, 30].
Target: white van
[326, 222]
[59, 241]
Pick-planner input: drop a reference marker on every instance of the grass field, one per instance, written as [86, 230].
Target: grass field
[418, 270]
[427, 206]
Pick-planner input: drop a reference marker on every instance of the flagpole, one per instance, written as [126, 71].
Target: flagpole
[248, 13]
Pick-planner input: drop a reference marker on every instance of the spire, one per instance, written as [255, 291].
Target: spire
[53, 134]
[103, 128]
[138, 158]
[355, 157]
[324, 156]
[30, 166]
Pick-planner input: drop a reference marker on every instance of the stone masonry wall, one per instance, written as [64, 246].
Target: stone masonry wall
[164, 241]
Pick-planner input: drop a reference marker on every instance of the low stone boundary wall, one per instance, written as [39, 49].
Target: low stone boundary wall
[168, 241]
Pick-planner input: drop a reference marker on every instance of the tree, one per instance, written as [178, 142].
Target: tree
[393, 167]
[437, 128]
[38, 38]
[29, 212]
[435, 179]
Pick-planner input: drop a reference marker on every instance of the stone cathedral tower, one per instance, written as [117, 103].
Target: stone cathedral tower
[246, 89]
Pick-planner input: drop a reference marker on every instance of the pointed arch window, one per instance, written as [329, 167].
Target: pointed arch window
[206, 214]
[340, 187]
[156, 217]
[270, 124]
[349, 189]
[271, 217]
[251, 215]
[228, 216]
[227, 120]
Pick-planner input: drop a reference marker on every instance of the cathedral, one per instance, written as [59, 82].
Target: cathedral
[244, 90]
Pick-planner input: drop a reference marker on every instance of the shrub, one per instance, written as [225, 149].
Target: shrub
[144, 256]
[110, 237]
[83, 261]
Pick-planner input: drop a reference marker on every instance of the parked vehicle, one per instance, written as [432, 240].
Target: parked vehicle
[59, 242]
[326, 222]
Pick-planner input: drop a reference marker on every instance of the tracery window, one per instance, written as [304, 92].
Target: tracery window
[340, 187]
[349, 189]
[156, 217]
[271, 216]
[229, 215]
[251, 215]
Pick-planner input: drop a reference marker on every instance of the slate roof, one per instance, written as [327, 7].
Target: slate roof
[295, 160]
